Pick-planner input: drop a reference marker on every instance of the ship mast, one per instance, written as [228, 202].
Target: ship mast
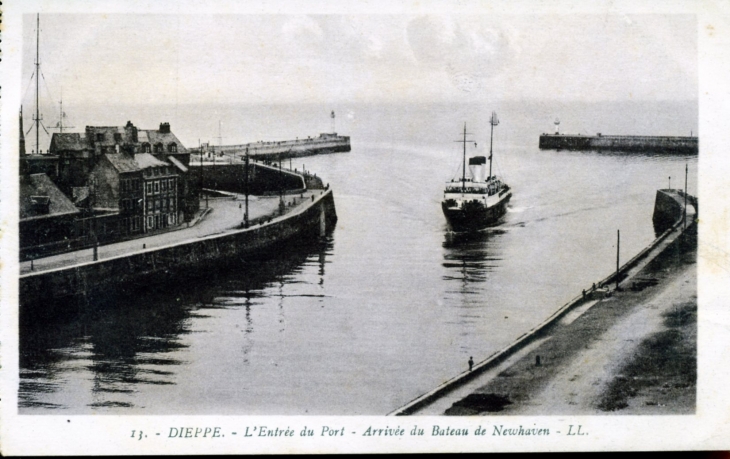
[463, 164]
[493, 121]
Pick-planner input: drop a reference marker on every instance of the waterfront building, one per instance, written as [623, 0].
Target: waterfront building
[141, 189]
[79, 153]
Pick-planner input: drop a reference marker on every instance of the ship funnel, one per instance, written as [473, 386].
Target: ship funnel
[477, 168]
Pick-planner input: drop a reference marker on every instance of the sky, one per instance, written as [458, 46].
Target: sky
[254, 59]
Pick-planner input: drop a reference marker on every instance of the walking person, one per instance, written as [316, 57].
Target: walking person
[471, 363]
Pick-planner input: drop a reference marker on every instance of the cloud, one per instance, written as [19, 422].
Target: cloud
[303, 34]
[469, 52]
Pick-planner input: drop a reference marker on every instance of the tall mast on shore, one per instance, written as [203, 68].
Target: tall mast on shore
[37, 118]
[220, 138]
[61, 116]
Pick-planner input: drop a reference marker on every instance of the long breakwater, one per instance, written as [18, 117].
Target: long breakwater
[653, 144]
[276, 150]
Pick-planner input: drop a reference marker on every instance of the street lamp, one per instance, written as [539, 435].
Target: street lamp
[245, 214]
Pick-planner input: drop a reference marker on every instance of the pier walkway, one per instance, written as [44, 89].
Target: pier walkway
[225, 214]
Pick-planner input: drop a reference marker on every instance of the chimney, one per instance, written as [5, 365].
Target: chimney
[40, 204]
[131, 131]
[164, 128]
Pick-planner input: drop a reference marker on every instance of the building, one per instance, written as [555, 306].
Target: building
[139, 188]
[79, 153]
[47, 216]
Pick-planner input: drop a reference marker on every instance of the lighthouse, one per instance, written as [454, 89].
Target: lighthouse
[557, 126]
[334, 131]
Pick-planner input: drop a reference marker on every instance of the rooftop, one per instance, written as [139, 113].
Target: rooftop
[40, 198]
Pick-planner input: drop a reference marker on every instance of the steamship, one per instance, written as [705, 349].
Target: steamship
[477, 199]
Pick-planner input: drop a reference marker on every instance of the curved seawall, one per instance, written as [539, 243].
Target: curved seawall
[167, 263]
[669, 205]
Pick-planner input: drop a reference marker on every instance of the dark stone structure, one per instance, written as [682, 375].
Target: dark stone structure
[628, 143]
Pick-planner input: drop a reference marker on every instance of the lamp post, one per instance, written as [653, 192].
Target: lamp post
[618, 246]
[686, 171]
[281, 190]
[245, 213]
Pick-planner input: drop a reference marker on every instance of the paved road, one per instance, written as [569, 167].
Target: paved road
[226, 214]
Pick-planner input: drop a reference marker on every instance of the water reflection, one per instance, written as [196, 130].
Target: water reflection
[469, 258]
[106, 353]
[633, 154]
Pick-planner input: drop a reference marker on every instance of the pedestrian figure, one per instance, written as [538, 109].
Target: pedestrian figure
[471, 363]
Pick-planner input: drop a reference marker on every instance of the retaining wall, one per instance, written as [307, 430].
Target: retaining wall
[263, 179]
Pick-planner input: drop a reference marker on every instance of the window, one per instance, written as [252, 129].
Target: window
[146, 148]
[150, 223]
[172, 219]
[149, 206]
[157, 186]
[99, 137]
[163, 185]
[159, 148]
[149, 187]
[117, 137]
[172, 148]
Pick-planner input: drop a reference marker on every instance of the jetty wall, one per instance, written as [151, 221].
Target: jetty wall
[646, 144]
[325, 143]
[650, 252]
[166, 264]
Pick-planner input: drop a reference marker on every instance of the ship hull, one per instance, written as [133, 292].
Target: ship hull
[475, 218]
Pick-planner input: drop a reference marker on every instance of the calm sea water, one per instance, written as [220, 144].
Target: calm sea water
[389, 305]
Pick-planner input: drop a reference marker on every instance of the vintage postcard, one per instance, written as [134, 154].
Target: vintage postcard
[300, 227]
